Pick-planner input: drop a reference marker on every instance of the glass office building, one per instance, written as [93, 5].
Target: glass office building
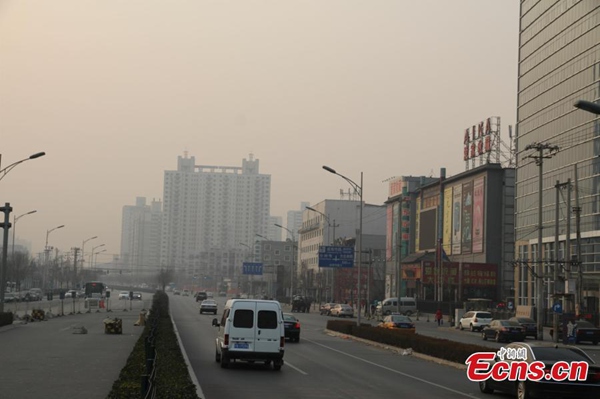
[559, 63]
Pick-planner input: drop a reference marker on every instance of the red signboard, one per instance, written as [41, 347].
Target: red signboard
[479, 274]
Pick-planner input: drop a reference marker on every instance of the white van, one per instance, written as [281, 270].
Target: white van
[250, 330]
[408, 306]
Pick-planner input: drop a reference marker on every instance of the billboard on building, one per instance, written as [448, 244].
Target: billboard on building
[456, 219]
[467, 217]
[447, 232]
[478, 214]
[418, 212]
[395, 187]
[480, 274]
[388, 236]
[427, 229]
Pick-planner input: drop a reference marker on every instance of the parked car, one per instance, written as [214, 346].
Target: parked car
[397, 321]
[208, 306]
[200, 296]
[186, 293]
[325, 309]
[529, 324]
[124, 295]
[176, 292]
[342, 310]
[548, 354]
[137, 295]
[584, 332]
[504, 330]
[292, 327]
[10, 297]
[475, 320]
[406, 306]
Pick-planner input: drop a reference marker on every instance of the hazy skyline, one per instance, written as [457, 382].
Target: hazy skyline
[115, 91]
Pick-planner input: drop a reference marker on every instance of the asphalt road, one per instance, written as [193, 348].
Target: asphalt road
[320, 366]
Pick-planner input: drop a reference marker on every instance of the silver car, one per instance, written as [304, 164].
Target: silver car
[475, 320]
[342, 310]
[208, 306]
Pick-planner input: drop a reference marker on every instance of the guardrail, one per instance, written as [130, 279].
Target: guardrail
[148, 380]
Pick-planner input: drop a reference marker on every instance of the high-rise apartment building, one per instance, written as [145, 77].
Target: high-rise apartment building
[140, 236]
[559, 63]
[274, 233]
[209, 208]
[294, 220]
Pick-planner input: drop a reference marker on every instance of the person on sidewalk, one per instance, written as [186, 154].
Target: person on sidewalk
[439, 317]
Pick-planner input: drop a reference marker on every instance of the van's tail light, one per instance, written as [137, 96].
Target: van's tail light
[282, 342]
[504, 329]
[475, 320]
[226, 340]
[297, 326]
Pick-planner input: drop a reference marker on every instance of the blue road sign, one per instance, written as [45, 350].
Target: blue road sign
[251, 268]
[336, 256]
[557, 308]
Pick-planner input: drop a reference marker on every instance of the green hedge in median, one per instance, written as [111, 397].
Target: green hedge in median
[172, 379]
[441, 348]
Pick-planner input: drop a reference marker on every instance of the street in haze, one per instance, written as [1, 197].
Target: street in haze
[319, 366]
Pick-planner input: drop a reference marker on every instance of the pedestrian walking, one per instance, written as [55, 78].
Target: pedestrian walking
[439, 317]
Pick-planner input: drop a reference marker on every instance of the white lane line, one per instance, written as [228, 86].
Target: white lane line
[392, 370]
[295, 368]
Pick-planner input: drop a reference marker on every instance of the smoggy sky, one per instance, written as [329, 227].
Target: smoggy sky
[113, 91]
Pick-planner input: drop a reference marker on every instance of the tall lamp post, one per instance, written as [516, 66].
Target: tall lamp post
[4, 172]
[47, 248]
[293, 260]
[249, 251]
[14, 227]
[359, 189]
[83, 249]
[95, 257]
[92, 254]
[328, 242]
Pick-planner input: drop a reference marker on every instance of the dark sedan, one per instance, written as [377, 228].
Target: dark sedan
[584, 332]
[529, 324]
[292, 327]
[549, 388]
[504, 330]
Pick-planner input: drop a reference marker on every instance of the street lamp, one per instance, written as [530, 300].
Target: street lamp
[310, 208]
[588, 106]
[96, 257]
[47, 248]
[14, 227]
[293, 260]
[83, 249]
[10, 167]
[92, 254]
[359, 189]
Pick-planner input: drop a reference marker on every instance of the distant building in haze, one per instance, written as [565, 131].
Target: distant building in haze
[140, 236]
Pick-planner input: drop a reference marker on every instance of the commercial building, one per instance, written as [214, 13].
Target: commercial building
[453, 237]
[559, 63]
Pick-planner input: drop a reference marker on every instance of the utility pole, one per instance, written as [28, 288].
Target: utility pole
[568, 263]
[6, 209]
[556, 261]
[550, 150]
[74, 283]
[577, 211]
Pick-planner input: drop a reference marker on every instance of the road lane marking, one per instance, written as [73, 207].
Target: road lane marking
[392, 370]
[295, 368]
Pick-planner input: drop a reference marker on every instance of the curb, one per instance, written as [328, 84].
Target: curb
[398, 350]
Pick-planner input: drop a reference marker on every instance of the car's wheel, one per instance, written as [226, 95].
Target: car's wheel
[460, 326]
[498, 337]
[277, 365]
[522, 391]
[267, 362]
[472, 328]
[408, 313]
[297, 339]
[484, 336]
[224, 362]
[484, 387]
[595, 342]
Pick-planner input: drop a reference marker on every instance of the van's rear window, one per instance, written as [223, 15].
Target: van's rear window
[243, 318]
[267, 319]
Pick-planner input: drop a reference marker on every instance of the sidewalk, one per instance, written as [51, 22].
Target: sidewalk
[52, 358]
